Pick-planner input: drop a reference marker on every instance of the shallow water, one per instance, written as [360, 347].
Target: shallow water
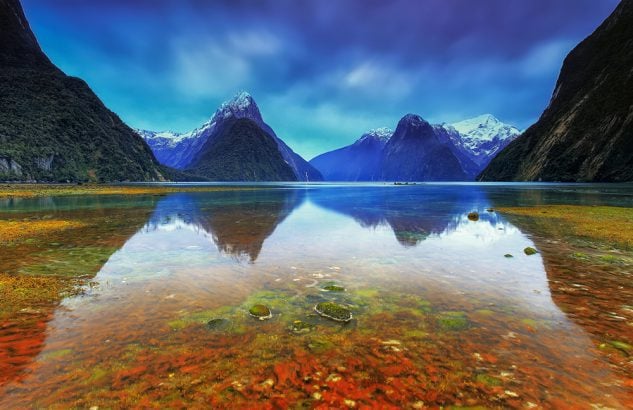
[440, 315]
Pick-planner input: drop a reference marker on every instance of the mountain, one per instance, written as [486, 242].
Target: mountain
[357, 162]
[179, 150]
[482, 138]
[52, 126]
[472, 142]
[586, 132]
[242, 151]
[415, 152]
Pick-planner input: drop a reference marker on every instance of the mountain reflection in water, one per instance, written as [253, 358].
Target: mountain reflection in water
[420, 276]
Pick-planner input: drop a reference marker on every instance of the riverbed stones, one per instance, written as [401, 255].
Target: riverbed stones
[333, 311]
[261, 312]
[529, 251]
[218, 324]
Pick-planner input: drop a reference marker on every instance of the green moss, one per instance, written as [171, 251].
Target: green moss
[367, 293]
[453, 321]
[488, 380]
[57, 354]
[333, 311]
[334, 288]
[621, 345]
[320, 344]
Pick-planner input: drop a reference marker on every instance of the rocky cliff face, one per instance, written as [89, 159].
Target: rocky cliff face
[586, 132]
[53, 127]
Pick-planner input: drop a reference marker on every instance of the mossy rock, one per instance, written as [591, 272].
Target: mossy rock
[453, 321]
[333, 311]
[473, 216]
[219, 324]
[508, 255]
[299, 326]
[261, 312]
[529, 251]
[333, 288]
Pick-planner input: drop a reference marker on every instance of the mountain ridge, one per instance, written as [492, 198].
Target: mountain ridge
[483, 137]
[179, 149]
[585, 133]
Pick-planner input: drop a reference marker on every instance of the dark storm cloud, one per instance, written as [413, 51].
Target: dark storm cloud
[322, 71]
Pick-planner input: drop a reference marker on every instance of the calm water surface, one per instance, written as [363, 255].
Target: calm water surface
[440, 315]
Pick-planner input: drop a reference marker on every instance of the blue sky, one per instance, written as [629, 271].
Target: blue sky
[322, 72]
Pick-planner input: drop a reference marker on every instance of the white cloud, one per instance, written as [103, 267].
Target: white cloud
[210, 67]
[378, 80]
[545, 58]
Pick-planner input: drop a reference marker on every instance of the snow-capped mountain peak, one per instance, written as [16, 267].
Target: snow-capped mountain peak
[485, 128]
[378, 134]
[242, 105]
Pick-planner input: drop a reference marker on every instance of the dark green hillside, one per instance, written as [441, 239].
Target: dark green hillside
[242, 152]
[52, 126]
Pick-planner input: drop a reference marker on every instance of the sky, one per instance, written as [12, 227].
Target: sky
[322, 72]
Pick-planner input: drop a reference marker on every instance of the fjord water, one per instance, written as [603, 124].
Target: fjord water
[441, 316]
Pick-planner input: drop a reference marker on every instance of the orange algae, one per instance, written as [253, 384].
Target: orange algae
[612, 225]
[42, 190]
[15, 230]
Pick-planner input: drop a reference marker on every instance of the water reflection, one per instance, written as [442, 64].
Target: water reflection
[413, 213]
[145, 324]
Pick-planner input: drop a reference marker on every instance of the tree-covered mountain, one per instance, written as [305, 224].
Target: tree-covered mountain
[242, 151]
[52, 126]
[179, 150]
[586, 132]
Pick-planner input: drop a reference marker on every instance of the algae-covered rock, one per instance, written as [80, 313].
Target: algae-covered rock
[333, 311]
[473, 216]
[261, 312]
[299, 326]
[530, 251]
[218, 324]
[453, 321]
[333, 288]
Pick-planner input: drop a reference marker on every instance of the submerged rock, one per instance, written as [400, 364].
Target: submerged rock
[453, 321]
[218, 324]
[299, 326]
[530, 251]
[333, 311]
[473, 216]
[261, 312]
[334, 288]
